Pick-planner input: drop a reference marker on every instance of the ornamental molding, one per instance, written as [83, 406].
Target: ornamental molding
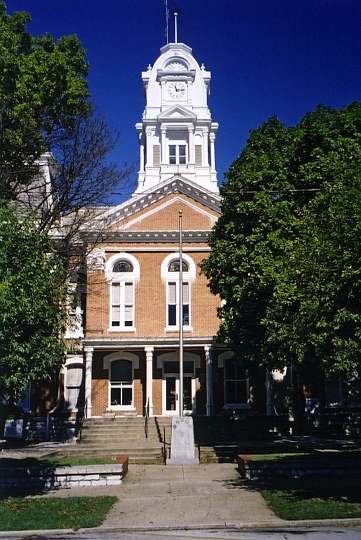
[176, 65]
[177, 112]
[176, 184]
[193, 237]
[135, 274]
[96, 260]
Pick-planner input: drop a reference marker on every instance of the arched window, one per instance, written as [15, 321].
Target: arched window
[122, 266]
[170, 273]
[121, 383]
[174, 266]
[122, 270]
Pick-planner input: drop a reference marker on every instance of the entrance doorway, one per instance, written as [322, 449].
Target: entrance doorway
[171, 394]
[169, 364]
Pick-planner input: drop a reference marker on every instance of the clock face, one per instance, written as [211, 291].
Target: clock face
[176, 90]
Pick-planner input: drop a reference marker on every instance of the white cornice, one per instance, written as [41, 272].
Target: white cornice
[176, 184]
[164, 205]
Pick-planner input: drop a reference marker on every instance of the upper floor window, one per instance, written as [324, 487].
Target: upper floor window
[122, 266]
[122, 308]
[177, 154]
[174, 266]
[170, 272]
[122, 270]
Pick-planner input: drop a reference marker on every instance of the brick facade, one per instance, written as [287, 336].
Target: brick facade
[151, 305]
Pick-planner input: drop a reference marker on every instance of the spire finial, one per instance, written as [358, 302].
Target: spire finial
[175, 27]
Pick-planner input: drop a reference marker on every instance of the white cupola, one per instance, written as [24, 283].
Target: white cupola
[176, 134]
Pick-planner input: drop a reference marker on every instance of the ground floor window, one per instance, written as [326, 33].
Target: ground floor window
[121, 383]
[236, 383]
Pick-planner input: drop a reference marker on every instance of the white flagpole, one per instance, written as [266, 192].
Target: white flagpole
[180, 315]
[175, 27]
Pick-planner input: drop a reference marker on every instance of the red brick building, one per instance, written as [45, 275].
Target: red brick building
[130, 337]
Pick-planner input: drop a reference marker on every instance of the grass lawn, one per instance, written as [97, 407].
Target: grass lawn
[19, 513]
[315, 500]
[274, 457]
[57, 460]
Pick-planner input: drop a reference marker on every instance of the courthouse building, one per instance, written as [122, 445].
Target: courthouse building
[130, 336]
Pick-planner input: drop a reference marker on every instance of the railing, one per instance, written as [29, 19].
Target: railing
[80, 422]
[146, 419]
[166, 447]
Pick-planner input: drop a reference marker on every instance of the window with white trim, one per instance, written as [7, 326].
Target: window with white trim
[121, 383]
[173, 293]
[177, 154]
[170, 275]
[122, 273]
[173, 303]
[236, 383]
[122, 314]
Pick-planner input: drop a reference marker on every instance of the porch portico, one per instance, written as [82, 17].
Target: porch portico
[125, 378]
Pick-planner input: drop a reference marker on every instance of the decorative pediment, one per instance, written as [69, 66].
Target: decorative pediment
[176, 184]
[177, 113]
[163, 215]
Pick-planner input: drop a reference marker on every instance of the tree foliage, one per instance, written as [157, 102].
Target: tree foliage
[286, 255]
[43, 88]
[32, 294]
[46, 118]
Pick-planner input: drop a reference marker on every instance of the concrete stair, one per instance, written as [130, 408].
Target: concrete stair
[124, 435]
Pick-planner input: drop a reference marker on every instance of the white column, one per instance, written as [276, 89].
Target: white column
[191, 145]
[269, 393]
[149, 148]
[141, 152]
[212, 138]
[149, 377]
[209, 379]
[205, 148]
[163, 133]
[88, 380]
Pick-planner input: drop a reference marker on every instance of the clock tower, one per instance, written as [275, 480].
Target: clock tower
[176, 135]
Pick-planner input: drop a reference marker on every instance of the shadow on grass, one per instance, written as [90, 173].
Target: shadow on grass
[312, 488]
[26, 476]
[332, 476]
[312, 498]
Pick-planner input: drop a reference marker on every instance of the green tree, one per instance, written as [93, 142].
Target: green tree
[32, 294]
[286, 251]
[43, 89]
[46, 118]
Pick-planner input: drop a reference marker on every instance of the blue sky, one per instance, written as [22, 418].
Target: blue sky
[267, 57]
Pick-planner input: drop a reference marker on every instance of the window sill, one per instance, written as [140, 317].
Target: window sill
[176, 329]
[121, 408]
[122, 329]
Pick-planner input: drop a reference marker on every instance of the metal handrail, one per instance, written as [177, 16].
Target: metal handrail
[146, 419]
[164, 448]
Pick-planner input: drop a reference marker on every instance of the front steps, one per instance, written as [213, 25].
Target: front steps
[116, 435]
[110, 436]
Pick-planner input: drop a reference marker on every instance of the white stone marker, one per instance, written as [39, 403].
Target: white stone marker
[182, 451]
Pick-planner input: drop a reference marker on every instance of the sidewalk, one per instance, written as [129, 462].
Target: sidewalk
[178, 496]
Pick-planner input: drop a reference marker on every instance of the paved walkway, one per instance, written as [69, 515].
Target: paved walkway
[176, 496]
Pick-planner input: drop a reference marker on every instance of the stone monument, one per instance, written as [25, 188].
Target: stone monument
[182, 451]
